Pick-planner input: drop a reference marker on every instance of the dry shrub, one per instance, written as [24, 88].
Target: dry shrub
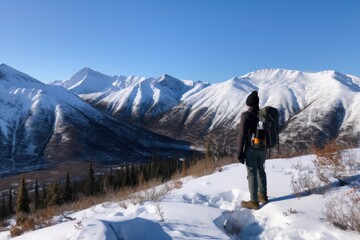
[136, 198]
[344, 211]
[303, 182]
[16, 231]
[30, 222]
[329, 162]
[154, 194]
[208, 165]
[160, 212]
[176, 184]
[82, 203]
[201, 168]
[351, 161]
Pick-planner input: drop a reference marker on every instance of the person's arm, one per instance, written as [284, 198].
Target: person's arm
[243, 137]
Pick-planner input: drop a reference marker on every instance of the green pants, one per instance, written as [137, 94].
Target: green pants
[255, 165]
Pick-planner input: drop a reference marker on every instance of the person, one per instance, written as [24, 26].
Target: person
[252, 154]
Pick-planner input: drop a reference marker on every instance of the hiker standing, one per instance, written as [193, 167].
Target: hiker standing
[253, 152]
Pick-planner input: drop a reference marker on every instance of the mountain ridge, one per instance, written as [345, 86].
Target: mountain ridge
[48, 125]
[314, 108]
[216, 108]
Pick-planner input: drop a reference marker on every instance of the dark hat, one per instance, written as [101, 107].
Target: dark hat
[253, 99]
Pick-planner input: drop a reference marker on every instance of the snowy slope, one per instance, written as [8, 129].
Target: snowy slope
[323, 105]
[39, 121]
[131, 98]
[89, 81]
[199, 209]
[148, 98]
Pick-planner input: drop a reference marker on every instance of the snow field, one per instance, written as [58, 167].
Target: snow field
[209, 208]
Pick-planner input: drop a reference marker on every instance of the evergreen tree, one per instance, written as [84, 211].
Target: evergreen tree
[67, 192]
[44, 191]
[127, 175]
[3, 208]
[133, 175]
[109, 181]
[36, 195]
[53, 196]
[120, 181]
[75, 190]
[23, 201]
[10, 202]
[91, 181]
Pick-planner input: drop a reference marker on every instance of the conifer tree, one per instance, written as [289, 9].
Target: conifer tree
[133, 178]
[109, 181]
[75, 189]
[67, 192]
[53, 196]
[120, 181]
[127, 175]
[10, 207]
[1, 212]
[23, 201]
[36, 195]
[91, 181]
[3, 208]
[44, 193]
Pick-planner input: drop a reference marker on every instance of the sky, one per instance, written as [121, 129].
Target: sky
[207, 40]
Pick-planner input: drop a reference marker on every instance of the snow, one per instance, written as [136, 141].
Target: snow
[89, 81]
[139, 96]
[199, 209]
[308, 94]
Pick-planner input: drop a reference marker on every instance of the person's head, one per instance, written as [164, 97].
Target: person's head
[253, 99]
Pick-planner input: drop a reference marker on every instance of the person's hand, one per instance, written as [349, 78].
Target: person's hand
[241, 157]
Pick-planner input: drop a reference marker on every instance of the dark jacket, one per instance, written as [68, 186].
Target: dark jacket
[248, 123]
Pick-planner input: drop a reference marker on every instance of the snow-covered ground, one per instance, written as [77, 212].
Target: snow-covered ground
[199, 209]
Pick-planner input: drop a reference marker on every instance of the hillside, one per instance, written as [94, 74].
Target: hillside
[209, 208]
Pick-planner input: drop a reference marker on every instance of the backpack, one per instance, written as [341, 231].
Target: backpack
[270, 118]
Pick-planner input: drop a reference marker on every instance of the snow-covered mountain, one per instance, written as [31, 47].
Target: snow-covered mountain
[314, 107]
[41, 122]
[38, 119]
[133, 98]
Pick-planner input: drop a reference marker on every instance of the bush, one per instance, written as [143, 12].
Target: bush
[329, 162]
[344, 211]
[24, 223]
[303, 182]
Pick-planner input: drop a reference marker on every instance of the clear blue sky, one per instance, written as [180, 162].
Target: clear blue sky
[208, 40]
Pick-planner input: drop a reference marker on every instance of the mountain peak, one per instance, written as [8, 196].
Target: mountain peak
[270, 73]
[7, 69]
[17, 78]
[88, 80]
[87, 71]
[166, 76]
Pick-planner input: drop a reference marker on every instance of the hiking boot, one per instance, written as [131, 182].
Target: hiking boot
[250, 205]
[263, 198]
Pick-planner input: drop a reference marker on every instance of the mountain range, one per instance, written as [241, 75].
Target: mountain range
[93, 115]
[314, 107]
[42, 125]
